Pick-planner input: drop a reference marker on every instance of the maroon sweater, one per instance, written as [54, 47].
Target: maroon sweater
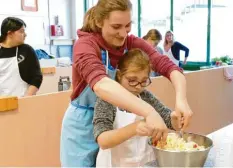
[88, 68]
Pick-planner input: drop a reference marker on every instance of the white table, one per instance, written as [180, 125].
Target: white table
[221, 155]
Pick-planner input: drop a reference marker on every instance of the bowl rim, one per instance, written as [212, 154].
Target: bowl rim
[173, 151]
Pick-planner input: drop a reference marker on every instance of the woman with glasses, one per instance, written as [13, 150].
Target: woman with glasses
[20, 73]
[121, 134]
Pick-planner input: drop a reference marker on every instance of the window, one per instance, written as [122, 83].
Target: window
[221, 28]
[77, 15]
[91, 3]
[155, 14]
[134, 28]
[190, 27]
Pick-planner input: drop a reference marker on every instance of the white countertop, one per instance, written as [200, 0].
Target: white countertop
[221, 155]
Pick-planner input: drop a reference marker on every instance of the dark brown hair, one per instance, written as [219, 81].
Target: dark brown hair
[11, 24]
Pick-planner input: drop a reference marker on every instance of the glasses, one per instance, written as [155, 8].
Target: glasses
[135, 83]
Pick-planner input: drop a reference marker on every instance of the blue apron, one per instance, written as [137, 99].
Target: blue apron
[78, 147]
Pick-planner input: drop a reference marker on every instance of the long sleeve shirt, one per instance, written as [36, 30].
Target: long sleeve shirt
[105, 113]
[88, 68]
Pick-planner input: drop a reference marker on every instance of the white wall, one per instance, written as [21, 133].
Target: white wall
[13, 7]
[35, 21]
[38, 22]
[62, 9]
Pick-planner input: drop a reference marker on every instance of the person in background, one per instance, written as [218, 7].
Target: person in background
[172, 49]
[102, 41]
[20, 73]
[153, 37]
[121, 135]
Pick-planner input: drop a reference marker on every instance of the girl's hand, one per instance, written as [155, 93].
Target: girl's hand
[142, 129]
[176, 120]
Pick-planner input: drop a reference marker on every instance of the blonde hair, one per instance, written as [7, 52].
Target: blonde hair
[165, 40]
[101, 11]
[133, 61]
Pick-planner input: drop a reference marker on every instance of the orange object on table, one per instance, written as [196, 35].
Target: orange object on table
[8, 103]
[48, 70]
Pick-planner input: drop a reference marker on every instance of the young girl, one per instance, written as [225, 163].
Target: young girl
[121, 135]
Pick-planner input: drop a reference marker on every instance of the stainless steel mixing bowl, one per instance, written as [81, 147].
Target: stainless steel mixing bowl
[166, 158]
